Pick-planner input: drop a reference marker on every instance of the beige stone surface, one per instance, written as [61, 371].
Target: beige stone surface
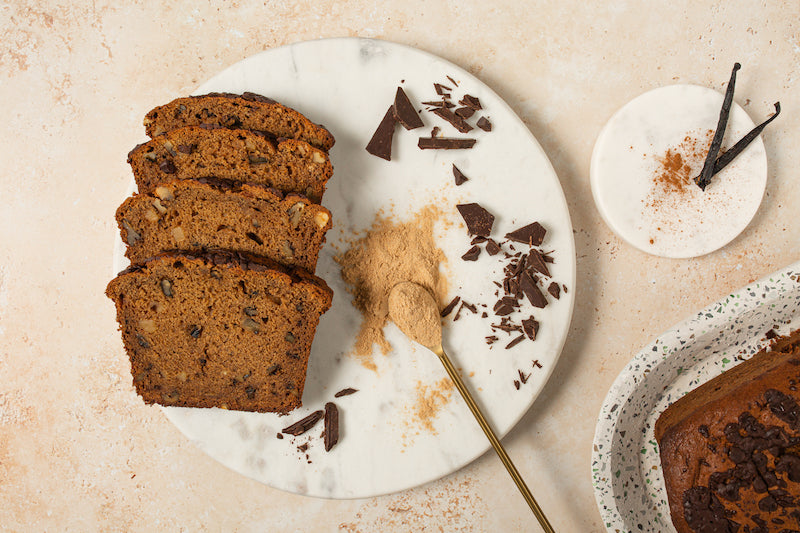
[80, 452]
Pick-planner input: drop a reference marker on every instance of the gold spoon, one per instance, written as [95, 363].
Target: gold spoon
[414, 311]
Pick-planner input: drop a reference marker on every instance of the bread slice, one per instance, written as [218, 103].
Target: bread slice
[247, 111]
[220, 330]
[239, 155]
[198, 216]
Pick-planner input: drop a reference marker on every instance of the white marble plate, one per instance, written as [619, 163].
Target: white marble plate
[626, 469]
[656, 219]
[347, 85]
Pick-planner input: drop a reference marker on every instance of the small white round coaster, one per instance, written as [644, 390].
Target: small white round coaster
[643, 168]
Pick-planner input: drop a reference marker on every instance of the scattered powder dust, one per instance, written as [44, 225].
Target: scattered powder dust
[429, 401]
[389, 253]
[673, 184]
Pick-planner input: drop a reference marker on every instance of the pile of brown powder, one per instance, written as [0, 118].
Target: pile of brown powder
[389, 253]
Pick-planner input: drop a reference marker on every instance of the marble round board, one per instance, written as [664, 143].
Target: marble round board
[655, 206]
[626, 468]
[347, 84]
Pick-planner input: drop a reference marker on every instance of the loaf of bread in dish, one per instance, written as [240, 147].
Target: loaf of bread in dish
[730, 449]
[287, 165]
[247, 111]
[198, 216]
[220, 330]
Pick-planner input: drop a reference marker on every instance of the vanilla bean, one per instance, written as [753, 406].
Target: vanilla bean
[744, 142]
[708, 166]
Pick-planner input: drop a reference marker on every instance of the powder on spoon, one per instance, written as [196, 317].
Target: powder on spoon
[415, 312]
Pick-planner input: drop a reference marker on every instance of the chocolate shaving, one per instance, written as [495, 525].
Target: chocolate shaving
[478, 240]
[331, 432]
[445, 143]
[516, 384]
[537, 364]
[491, 339]
[464, 112]
[442, 89]
[404, 112]
[523, 377]
[479, 221]
[301, 426]
[449, 307]
[472, 254]
[470, 102]
[555, 290]
[439, 103]
[470, 307]
[532, 234]
[716, 143]
[530, 327]
[459, 176]
[452, 80]
[345, 392]
[435, 131]
[531, 291]
[515, 342]
[456, 121]
[484, 124]
[380, 144]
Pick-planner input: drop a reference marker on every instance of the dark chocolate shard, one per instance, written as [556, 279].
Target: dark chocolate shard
[492, 248]
[536, 262]
[472, 254]
[345, 392]
[555, 290]
[505, 306]
[515, 342]
[531, 327]
[531, 291]
[484, 124]
[439, 103]
[441, 89]
[381, 142]
[449, 307]
[331, 432]
[523, 377]
[459, 176]
[479, 221]
[532, 234]
[404, 112]
[516, 384]
[452, 81]
[470, 102]
[470, 307]
[301, 426]
[445, 143]
[464, 112]
[456, 121]
[478, 240]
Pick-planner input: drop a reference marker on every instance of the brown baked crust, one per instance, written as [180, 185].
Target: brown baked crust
[224, 330]
[241, 111]
[197, 216]
[729, 448]
[192, 152]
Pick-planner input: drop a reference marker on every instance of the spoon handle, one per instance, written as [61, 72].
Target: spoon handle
[498, 447]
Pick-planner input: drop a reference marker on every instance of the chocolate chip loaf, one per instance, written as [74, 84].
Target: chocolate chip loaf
[198, 216]
[730, 449]
[240, 111]
[193, 152]
[220, 330]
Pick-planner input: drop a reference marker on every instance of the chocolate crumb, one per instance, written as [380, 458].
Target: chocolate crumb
[564, 288]
[484, 314]
[532, 234]
[345, 392]
[380, 144]
[331, 432]
[491, 339]
[301, 426]
[435, 131]
[555, 290]
[484, 124]
[492, 248]
[472, 254]
[404, 112]
[515, 342]
[516, 384]
[445, 143]
[303, 448]
[470, 307]
[279, 435]
[449, 307]
[530, 326]
[479, 221]
[459, 176]
[452, 81]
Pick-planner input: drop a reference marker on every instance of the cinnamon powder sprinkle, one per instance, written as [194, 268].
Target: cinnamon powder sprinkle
[429, 401]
